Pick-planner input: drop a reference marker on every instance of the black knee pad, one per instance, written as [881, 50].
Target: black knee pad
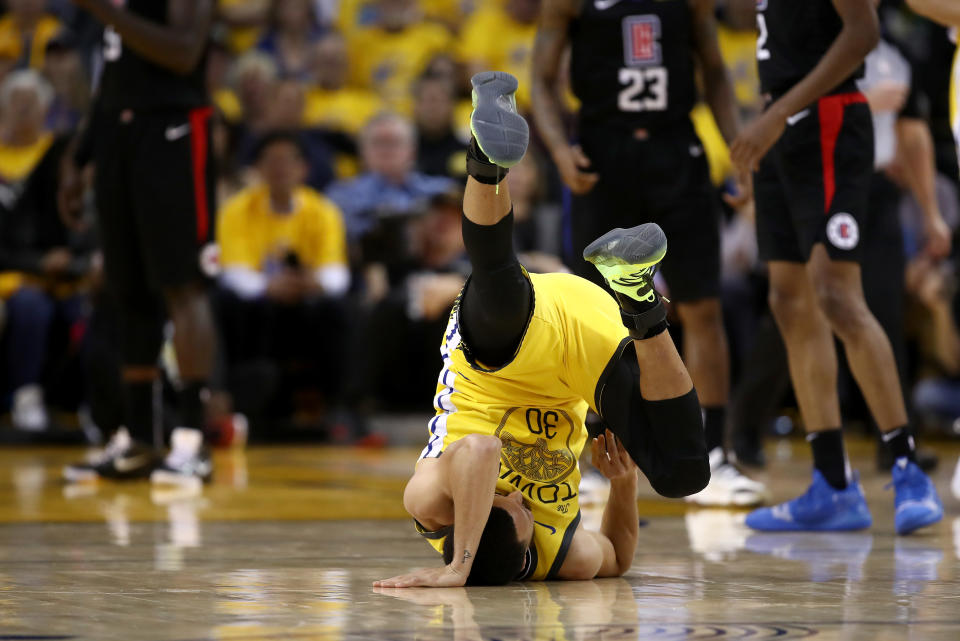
[678, 464]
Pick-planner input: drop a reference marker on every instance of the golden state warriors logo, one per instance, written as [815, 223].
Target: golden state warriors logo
[537, 461]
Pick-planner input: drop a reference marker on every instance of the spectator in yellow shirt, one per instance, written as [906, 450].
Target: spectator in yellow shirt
[330, 103]
[279, 239]
[281, 301]
[501, 37]
[25, 32]
[390, 55]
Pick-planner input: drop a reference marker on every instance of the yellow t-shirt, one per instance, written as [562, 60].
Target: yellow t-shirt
[718, 154]
[388, 63]
[536, 405]
[955, 97]
[16, 163]
[13, 41]
[344, 110]
[494, 40]
[241, 39]
[739, 52]
[251, 235]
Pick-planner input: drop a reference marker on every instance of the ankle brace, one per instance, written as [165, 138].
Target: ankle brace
[480, 168]
[643, 320]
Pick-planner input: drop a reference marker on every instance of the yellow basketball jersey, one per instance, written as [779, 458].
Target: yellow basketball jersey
[536, 405]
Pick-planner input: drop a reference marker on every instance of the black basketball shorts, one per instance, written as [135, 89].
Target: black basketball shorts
[664, 179]
[155, 196]
[813, 185]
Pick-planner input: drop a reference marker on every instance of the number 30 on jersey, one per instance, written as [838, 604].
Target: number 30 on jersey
[644, 78]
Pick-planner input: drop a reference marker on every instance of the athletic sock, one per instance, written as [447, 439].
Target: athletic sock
[190, 402]
[829, 456]
[900, 443]
[138, 411]
[713, 427]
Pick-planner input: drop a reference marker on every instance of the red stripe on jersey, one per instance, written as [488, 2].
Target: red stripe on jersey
[831, 122]
[199, 129]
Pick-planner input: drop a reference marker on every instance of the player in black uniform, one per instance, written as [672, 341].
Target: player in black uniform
[639, 159]
[813, 152]
[150, 140]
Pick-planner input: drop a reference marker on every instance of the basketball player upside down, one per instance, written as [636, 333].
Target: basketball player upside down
[525, 355]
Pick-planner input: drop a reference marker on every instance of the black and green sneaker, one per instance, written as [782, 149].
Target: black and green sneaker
[501, 133]
[628, 260]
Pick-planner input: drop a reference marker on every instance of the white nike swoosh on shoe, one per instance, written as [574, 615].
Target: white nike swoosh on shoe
[927, 503]
[176, 133]
[603, 5]
[797, 117]
[782, 512]
[131, 463]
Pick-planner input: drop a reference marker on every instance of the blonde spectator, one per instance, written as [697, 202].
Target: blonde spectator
[330, 103]
[252, 78]
[25, 98]
[390, 55]
[500, 36]
[25, 32]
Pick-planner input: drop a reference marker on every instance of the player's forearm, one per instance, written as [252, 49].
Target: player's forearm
[548, 115]
[946, 12]
[916, 147]
[176, 48]
[620, 521]
[471, 479]
[718, 91]
[856, 40]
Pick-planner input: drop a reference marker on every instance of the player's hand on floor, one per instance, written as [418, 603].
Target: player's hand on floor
[572, 164]
[755, 141]
[442, 577]
[610, 457]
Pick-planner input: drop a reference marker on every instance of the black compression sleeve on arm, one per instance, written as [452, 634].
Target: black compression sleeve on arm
[497, 301]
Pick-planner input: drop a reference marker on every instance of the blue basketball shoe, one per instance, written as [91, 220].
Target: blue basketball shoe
[821, 508]
[915, 498]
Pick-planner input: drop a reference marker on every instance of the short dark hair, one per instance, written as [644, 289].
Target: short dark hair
[280, 137]
[500, 554]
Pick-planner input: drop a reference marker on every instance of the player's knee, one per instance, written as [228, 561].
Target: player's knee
[481, 444]
[701, 315]
[788, 306]
[846, 311]
[687, 476]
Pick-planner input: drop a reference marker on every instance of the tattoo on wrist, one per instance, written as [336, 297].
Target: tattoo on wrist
[466, 555]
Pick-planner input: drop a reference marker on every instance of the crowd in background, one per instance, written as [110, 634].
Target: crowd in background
[340, 139]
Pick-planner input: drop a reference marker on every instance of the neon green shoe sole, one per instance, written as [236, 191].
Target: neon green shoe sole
[502, 134]
[628, 259]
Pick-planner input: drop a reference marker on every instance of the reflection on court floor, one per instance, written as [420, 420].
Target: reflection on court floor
[285, 544]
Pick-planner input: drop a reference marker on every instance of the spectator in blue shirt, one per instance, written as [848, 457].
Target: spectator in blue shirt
[390, 186]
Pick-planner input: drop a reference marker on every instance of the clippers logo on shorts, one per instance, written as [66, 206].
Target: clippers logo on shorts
[210, 260]
[641, 41]
[843, 231]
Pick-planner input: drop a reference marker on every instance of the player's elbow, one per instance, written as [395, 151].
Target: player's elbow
[685, 477]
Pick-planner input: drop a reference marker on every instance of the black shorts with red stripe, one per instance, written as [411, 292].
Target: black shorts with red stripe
[813, 185]
[155, 196]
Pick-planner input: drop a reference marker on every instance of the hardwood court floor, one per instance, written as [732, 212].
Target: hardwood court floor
[285, 542]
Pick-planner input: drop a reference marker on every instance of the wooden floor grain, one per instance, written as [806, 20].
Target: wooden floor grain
[286, 541]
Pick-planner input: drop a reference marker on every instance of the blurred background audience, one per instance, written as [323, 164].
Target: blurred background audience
[341, 135]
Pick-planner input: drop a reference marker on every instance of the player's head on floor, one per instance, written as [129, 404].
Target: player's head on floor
[503, 544]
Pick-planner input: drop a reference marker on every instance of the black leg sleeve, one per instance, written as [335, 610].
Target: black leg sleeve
[496, 303]
[664, 438]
